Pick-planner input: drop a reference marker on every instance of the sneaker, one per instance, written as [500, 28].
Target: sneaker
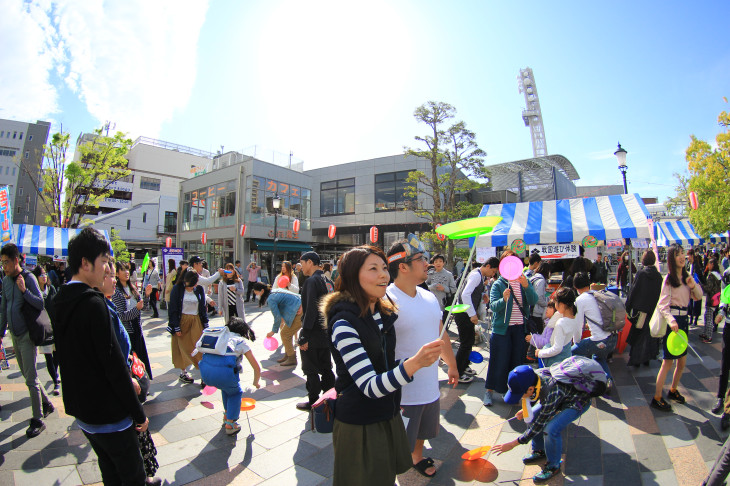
[487, 401]
[36, 427]
[546, 474]
[660, 404]
[153, 481]
[718, 406]
[706, 339]
[469, 371]
[466, 378]
[185, 377]
[676, 396]
[306, 406]
[202, 384]
[48, 409]
[609, 388]
[534, 456]
[725, 421]
[57, 389]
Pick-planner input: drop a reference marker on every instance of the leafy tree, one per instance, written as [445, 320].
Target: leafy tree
[678, 205]
[454, 156]
[709, 170]
[71, 189]
[121, 254]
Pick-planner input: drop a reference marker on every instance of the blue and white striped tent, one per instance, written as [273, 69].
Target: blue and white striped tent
[719, 237]
[680, 232]
[567, 220]
[44, 240]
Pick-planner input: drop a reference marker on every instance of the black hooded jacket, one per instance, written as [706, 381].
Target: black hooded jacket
[97, 388]
[644, 294]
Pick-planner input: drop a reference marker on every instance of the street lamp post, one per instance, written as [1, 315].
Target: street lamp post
[621, 156]
[275, 203]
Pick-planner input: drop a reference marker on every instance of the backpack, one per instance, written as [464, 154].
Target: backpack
[579, 371]
[213, 341]
[328, 283]
[613, 311]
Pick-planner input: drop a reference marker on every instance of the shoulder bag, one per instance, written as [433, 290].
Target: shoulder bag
[37, 321]
[658, 324]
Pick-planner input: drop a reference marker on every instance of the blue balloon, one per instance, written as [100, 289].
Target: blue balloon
[476, 357]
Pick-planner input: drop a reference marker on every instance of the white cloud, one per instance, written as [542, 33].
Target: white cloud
[132, 62]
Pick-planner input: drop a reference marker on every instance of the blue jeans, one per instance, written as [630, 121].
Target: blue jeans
[226, 380]
[598, 350]
[551, 438]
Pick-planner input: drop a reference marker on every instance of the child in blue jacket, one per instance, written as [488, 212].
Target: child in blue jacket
[221, 371]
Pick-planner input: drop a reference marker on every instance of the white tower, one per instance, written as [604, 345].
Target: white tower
[532, 116]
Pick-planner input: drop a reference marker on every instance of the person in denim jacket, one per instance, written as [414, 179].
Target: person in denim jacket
[286, 306]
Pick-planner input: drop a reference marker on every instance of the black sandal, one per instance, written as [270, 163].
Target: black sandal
[424, 464]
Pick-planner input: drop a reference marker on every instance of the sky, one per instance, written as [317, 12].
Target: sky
[338, 81]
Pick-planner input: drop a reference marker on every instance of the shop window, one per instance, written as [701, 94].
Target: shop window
[337, 197]
[149, 183]
[390, 191]
[170, 222]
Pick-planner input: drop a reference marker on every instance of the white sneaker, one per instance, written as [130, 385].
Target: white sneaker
[465, 378]
[469, 371]
[487, 399]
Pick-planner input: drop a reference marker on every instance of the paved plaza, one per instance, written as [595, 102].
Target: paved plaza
[619, 441]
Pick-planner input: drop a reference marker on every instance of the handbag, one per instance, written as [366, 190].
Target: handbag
[658, 324]
[37, 321]
[139, 373]
[322, 415]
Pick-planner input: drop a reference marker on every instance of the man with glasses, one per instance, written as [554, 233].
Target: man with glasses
[20, 290]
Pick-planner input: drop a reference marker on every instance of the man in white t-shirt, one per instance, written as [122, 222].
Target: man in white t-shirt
[418, 323]
[600, 343]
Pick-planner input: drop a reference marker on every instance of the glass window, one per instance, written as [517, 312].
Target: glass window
[144, 217]
[149, 183]
[129, 224]
[390, 191]
[337, 197]
[13, 170]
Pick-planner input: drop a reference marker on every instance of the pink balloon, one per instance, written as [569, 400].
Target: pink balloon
[209, 390]
[510, 267]
[270, 343]
[283, 282]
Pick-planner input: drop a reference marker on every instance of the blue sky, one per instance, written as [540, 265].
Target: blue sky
[337, 81]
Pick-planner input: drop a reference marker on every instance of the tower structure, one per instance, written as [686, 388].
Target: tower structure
[531, 115]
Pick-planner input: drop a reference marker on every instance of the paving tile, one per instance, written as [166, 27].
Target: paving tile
[279, 434]
[666, 477]
[177, 451]
[583, 480]
[641, 420]
[529, 472]
[631, 396]
[318, 440]
[615, 437]
[455, 471]
[322, 463]
[235, 476]
[189, 428]
[583, 456]
[181, 472]
[674, 432]
[586, 426]
[708, 441]
[295, 475]
[89, 472]
[276, 460]
[688, 465]
[482, 431]
[623, 470]
[651, 453]
[67, 456]
[61, 476]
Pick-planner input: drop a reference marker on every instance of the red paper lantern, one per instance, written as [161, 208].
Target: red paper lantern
[297, 224]
[243, 230]
[374, 234]
[439, 235]
[168, 242]
[693, 200]
[331, 231]
[203, 238]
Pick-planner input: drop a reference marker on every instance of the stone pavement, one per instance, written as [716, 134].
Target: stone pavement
[617, 441]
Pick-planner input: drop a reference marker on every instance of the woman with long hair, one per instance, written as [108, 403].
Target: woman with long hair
[129, 304]
[48, 292]
[286, 307]
[172, 278]
[676, 291]
[369, 438]
[188, 317]
[640, 305]
[622, 273]
[712, 287]
[230, 295]
[288, 272]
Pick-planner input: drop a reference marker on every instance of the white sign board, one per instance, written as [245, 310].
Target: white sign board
[556, 251]
[484, 254]
[639, 243]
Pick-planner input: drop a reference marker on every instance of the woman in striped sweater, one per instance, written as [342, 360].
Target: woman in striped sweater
[369, 438]
[129, 304]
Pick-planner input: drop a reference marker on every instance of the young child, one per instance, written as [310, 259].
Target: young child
[565, 329]
[221, 371]
[551, 317]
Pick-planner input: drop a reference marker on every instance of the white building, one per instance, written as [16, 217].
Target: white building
[144, 225]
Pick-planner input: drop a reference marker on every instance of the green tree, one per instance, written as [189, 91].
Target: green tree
[71, 189]
[709, 170]
[454, 157]
[121, 254]
[678, 205]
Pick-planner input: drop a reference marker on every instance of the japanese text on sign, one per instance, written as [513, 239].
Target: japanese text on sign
[556, 251]
[6, 228]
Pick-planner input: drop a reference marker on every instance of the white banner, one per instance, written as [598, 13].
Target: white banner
[556, 251]
[484, 254]
[639, 243]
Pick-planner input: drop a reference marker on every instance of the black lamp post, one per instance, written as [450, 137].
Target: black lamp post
[275, 203]
[621, 156]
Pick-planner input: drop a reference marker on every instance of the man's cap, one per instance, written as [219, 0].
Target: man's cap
[195, 259]
[519, 380]
[312, 256]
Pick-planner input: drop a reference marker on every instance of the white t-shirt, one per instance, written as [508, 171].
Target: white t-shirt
[417, 324]
[565, 329]
[588, 307]
[190, 303]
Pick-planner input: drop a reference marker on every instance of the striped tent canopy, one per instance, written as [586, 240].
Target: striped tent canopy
[567, 220]
[719, 237]
[680, 231]
[44, 240]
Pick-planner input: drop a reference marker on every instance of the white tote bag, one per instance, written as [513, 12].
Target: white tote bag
[658, 324]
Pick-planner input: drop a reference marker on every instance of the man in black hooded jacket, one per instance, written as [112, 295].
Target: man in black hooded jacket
[96, 385]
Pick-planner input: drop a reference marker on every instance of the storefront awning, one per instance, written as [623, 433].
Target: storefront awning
[567, 220]
[719, 237]
[44, 240]
[268, 245]
[680, 232]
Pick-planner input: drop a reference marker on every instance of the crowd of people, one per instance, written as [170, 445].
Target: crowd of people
[379, 317]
